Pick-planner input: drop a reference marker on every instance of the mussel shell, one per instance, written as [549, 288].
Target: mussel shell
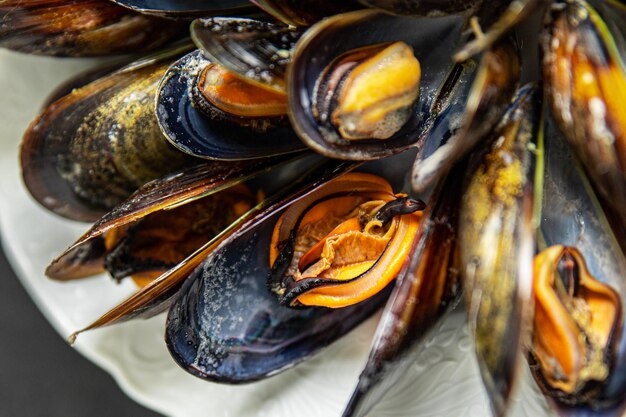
[586, 86]
[194, 133]
[496, 245]
[320, 45]
[227, 327]
[92, 148]
[187, 8]
[255, 50]
[282, 184]
[432, 8]
[82, 80]
[85, 256]
[304, 12]
[425, 289]
[497, 18]
[572, 216]
[80, 28]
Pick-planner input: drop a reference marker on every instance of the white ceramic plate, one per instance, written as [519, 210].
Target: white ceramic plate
[443, 381]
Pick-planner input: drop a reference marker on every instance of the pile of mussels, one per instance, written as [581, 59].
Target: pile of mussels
[263, 188]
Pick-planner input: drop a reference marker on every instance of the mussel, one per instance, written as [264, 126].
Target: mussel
[248, 292]
[368, 92]
[426, 288]
[163, 222]
[207, 111]
[586, 84]
[342, 244]
[80, 28]
[62, 151]
[256, 51]
[222, 346]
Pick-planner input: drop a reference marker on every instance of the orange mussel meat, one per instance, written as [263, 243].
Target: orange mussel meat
[343, 244]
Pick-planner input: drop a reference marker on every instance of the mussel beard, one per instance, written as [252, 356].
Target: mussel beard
[343, 245]
[577, 322]
[146, 249]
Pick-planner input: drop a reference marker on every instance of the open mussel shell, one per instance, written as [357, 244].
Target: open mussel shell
[182, 188]
[80, 28]
[255, 50]
[226, 326]
[195, 133]
[425, 289]
[586, 88]
[62, 151]
[318, 47]
[304, 12]
[491, 92]
[572, 216]
[86, 256]
[187, 8]
[496, 241]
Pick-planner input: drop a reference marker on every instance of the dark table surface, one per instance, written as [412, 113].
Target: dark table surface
[40, 375]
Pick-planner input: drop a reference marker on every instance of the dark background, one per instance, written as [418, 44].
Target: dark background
[40, 375]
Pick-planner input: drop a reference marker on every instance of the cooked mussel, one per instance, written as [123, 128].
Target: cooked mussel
[496, 243]
[160, 241]
[426, 287]
[578, 353]
[304, 12]
[432, 8]
[80, 28]
[577, 322]
[366, 85]
[163, 222]
[227, 327]
[62, 150]
[208, 111]
[586, 86]
[343, 243]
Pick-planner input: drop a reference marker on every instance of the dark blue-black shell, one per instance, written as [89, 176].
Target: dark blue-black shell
[193, 132]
